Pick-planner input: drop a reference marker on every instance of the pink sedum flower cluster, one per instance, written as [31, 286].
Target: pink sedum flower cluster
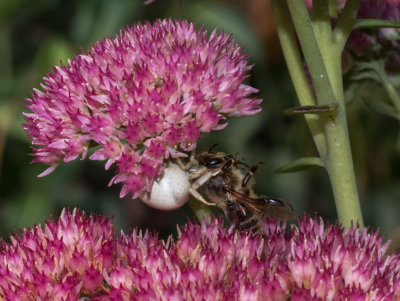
[142, 98]
[78, 257]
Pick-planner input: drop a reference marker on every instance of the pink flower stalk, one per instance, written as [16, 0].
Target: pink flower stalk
[77, 256]
[142, 98]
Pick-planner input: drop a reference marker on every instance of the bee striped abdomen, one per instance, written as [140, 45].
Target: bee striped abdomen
[246, 220]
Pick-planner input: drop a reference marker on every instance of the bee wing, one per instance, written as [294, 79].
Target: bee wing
[278, 214]
[265, 206]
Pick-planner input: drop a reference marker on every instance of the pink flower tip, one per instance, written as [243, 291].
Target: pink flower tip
[79, 257]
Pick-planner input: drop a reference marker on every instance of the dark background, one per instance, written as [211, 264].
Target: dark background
[37, 34]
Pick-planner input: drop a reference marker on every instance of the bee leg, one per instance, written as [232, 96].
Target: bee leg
[228, 164]
[250, 173]
[275, 202]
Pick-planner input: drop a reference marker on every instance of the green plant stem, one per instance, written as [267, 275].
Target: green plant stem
[322, 31]
[297, 73]
[200, 210]
[323, 60]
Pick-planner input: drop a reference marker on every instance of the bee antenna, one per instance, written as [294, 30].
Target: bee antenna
[212, 147]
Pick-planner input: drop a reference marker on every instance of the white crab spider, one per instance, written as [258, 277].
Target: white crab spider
[172, 189]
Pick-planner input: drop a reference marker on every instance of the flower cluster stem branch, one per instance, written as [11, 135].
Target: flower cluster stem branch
[379, 67]
[346, 23]
[323, 61]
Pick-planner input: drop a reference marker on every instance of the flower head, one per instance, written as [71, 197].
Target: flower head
[65, 258]
[142, 97]
[77, 256]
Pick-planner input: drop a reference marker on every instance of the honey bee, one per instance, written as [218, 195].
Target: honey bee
[232, 192]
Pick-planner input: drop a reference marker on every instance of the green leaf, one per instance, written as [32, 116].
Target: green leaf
[366, 70]
[365, 75]
[321, 109]
[356, 90]
[375, 23]
[301, 164]
[382, 108]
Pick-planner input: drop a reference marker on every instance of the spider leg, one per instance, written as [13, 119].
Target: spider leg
[199, 197]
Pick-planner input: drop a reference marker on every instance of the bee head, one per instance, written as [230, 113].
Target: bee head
[215, 160]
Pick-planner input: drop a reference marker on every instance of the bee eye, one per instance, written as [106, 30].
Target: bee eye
[213, 162]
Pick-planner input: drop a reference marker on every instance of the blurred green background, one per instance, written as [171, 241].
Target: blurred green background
[37, 34]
